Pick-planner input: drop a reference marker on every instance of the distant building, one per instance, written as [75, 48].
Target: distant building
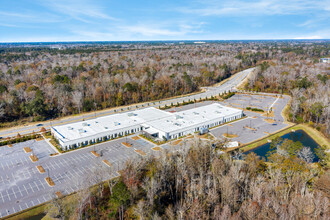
[325, 60]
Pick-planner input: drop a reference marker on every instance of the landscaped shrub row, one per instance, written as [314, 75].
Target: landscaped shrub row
[20, 139]
[254, 109]
[227, 96]
[212, 98]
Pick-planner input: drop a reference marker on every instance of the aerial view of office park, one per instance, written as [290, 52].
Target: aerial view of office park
[164, 110]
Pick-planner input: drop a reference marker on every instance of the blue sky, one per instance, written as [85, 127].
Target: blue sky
[116, 20]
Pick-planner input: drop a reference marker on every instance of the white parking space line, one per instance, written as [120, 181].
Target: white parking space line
[41, 184]
[8, 195]
[26, 190]
[19, 189]
[14, 193]
[3, 200]
[58, 165]
[36, 185]
[31, 187]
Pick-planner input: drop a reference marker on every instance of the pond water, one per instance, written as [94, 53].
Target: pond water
[298, 135]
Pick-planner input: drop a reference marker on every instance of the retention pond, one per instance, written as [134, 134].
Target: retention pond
[298, 135]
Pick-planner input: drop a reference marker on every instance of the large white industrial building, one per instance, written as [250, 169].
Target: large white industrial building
[152, 121]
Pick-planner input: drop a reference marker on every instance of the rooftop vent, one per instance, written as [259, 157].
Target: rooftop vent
[178, 117]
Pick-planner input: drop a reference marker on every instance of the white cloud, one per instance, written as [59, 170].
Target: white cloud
[81, 10]
[258, 7]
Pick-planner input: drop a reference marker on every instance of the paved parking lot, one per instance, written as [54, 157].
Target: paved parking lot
[254, 120]
[22, 186]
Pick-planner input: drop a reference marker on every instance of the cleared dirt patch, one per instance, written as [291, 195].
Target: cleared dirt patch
[135, 138]
[41, 169]
[156, 148]
[270, 114]
[50, 181]
[270, 121]
[142, 153]
[34, 158]
[27, 149]
[126, 144]
[40, 139]
[176, 142]
[10, 145]
[230, 135]
[253, 129]
[95, 154]
[107, 163]
[59, 194]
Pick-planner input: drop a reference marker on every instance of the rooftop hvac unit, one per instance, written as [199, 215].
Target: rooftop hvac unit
[81, 130]
[178, 117]
[70, 128]
[116, 123]
[131, 114]
[106, 128]
[85, 124]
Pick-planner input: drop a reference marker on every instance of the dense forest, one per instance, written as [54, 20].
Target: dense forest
[38, 83]
[305, 81]
[200, 182]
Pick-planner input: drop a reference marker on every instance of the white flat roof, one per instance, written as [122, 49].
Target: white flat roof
[113, 122]
[192, 117]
